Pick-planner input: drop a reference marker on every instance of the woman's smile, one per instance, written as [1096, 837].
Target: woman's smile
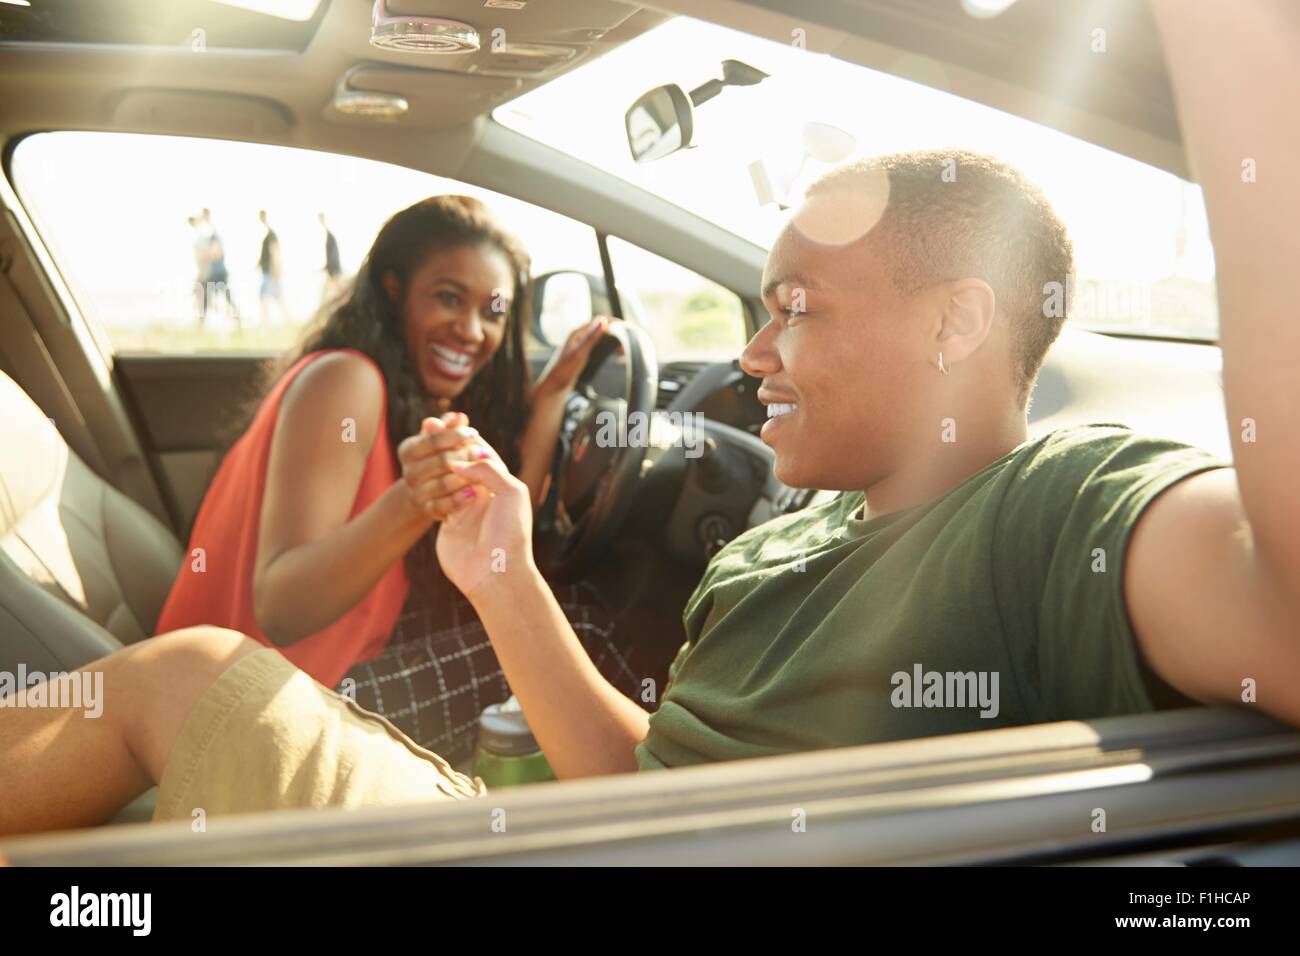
[451, 362]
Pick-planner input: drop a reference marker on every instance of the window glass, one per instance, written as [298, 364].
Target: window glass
[686, 315]
[1143, 259]
[122, 215]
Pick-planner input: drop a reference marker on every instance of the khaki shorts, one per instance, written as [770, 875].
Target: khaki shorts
[265, 736]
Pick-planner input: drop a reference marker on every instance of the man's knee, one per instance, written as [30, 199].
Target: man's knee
[200, 648]
[196, 651]
[156, 682]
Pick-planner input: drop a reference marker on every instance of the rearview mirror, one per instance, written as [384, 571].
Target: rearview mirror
[659, 123]
[663, 120]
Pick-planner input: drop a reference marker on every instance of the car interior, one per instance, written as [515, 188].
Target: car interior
[105, 453]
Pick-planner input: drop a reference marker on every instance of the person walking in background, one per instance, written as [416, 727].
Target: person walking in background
[333, 265]
[201, 269]
[269, 264]
[217, 283]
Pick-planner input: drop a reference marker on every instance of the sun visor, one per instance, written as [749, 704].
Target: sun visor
[222, 115]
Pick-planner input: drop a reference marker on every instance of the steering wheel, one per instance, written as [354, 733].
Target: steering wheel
[593, 478]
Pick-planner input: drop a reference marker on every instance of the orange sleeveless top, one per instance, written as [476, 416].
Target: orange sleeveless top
[215, 585]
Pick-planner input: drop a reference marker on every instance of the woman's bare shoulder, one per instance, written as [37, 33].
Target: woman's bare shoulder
[336, 386]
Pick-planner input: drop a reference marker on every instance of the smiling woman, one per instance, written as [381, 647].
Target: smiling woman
[322, 519]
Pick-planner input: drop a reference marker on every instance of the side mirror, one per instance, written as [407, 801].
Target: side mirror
[660, 122]
[566, 300]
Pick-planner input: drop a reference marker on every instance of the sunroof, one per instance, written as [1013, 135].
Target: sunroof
[190, 24]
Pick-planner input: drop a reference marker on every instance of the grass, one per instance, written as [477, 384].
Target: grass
[168, 338]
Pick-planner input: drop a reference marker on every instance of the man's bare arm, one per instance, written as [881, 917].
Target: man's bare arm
[1206, 613]
[585, 726]
[1212, 576]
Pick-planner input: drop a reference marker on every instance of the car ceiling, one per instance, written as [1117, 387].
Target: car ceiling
[1035, 60]
[285, 97]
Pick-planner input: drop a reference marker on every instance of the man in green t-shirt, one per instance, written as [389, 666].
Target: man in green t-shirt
[995, 604]
[967, 578]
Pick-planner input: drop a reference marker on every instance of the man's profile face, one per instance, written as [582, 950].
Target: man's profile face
[844, 346]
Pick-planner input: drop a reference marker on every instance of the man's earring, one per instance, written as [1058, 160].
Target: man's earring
[942, 368]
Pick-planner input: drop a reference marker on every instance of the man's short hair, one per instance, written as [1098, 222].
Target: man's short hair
[955, 214]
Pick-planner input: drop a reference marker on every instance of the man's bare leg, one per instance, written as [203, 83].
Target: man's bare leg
[61, 769]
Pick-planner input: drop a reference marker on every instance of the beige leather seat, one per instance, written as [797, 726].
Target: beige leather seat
[83, 569]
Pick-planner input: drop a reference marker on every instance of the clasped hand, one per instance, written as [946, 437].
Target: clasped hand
[454, 477]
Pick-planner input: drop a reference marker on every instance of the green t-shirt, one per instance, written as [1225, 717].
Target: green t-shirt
[999, 603]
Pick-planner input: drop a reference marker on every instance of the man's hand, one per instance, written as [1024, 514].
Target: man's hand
[490, 534]
[584, 725]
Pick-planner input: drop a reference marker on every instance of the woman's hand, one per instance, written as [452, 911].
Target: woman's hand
[433, 488]
[562, 372]
[550, 394]
[491, 532]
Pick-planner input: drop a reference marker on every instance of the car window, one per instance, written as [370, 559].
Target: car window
[687, 316]
[115, 211]
[1144, 263]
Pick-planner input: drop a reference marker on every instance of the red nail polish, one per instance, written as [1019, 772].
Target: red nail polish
[467, 493]
[484, 453]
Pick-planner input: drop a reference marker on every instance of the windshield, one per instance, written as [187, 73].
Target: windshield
[1143, 259]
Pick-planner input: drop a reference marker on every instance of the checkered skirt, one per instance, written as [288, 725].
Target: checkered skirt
[439, 670]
